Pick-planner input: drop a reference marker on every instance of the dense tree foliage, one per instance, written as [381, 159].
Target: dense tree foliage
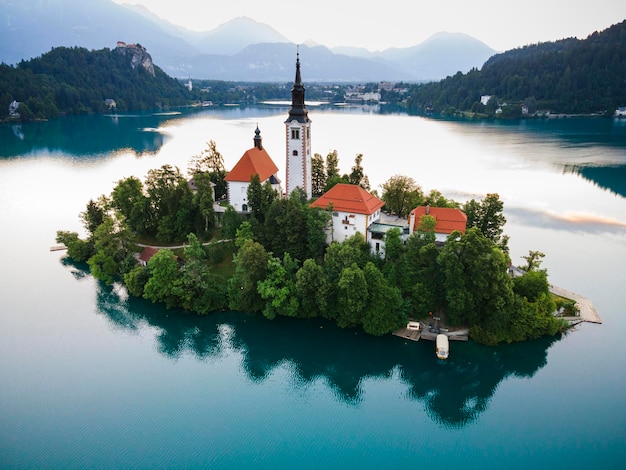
[165, 206]
[567, 76]
[78, 81]
[210, 162]
[487, 215]
[401, 194]
[281, 265]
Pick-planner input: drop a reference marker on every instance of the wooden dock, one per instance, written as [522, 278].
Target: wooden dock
[58, 248]
[425, 333]
[413, 335]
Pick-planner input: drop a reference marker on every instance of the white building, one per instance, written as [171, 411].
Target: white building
[298, 130]
[353, 210]
[256, 161]
[377, 230]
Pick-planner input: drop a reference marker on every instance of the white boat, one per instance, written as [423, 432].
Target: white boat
[443, 347]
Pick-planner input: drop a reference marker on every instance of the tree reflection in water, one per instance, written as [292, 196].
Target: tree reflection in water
[454, 393]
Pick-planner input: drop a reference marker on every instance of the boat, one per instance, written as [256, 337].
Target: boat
[443, 346]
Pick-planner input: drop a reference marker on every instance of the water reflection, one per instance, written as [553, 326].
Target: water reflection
[569, 222]
[84, 136]
[612, 178]
[454, 393]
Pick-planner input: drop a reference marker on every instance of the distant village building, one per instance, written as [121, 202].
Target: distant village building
[447, 220]
[353, 210]
[484, 99]
[13, 109]
[620, 112]
[255, 161]
[111, 104]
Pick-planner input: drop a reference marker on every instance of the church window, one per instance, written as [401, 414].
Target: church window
[295, 134]
[295, 153]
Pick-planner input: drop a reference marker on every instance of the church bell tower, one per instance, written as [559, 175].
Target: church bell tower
[298, 128]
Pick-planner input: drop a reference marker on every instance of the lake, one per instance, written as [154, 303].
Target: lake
[91, 378]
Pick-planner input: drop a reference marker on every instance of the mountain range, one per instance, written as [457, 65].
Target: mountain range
[239, 50]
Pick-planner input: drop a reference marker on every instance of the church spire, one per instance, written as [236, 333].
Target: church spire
[298, 111]
[257, 138]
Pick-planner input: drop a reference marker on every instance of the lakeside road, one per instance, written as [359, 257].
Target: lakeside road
[143, 245]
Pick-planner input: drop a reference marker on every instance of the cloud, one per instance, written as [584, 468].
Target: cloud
[568, 221]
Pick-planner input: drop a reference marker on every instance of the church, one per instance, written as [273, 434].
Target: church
[256, 161]
[353, 208]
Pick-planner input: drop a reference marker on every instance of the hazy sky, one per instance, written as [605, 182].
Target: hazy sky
[501, 24]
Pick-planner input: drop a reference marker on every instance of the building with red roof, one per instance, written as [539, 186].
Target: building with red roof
[255, 161]
[146, 255]
[447, 219]
[353, 210]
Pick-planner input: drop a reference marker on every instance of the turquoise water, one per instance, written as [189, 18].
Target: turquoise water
[93, 379]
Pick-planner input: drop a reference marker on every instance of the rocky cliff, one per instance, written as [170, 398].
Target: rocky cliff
[138, 56]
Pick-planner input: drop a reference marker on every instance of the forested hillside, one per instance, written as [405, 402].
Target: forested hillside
[567, 76]
[78, 81]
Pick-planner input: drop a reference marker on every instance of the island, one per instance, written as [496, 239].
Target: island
[326, 246]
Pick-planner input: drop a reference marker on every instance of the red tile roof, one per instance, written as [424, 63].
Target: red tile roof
[349, 198]
[254, 162]
[448, 219]
[147, 253]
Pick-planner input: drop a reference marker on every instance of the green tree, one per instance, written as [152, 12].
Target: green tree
[352, 296]
[94, 215]
[426, 229]
[170, 208]
[312, 289]
[401, 195]
[479, 290]
[278, 289]
[532, 285]
[243, 233]
[436, 199]
[332, 165]
[318, 175]
[77, 249]
[488, 217]
[260, 198]
[111, 248]
[250, 268]
[357, 175]
[394, 248]
[129, 200]
[136, 279]
[164, 281]
[231, 220]
[333, 176]
[383, 312]
[203, 200]
[198, 289]
[211, 162]
[533, 261]
[316, 220]
[285, 228]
